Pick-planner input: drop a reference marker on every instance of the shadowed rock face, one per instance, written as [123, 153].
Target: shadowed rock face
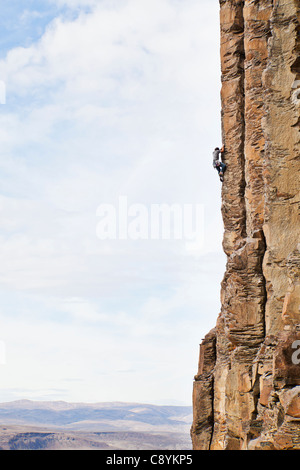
[246, 393]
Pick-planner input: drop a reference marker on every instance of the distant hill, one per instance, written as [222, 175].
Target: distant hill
[26, 424]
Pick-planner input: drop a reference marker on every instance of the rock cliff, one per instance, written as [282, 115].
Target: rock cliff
[247, 390]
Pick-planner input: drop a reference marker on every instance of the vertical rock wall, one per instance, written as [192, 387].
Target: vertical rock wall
[247, 390]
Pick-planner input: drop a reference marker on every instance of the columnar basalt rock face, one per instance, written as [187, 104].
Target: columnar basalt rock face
[247, 390]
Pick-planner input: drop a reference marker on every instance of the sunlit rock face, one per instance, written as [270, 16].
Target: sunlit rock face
[247, 389]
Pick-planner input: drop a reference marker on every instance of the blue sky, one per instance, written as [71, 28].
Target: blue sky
[103, 99]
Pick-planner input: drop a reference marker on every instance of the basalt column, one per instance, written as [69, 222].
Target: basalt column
[247, 381]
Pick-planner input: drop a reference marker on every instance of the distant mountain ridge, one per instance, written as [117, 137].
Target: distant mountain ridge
[34, 425]
[96, 416]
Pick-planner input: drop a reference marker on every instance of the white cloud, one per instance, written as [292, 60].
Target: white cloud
[120, 100]
[155, 352]
[77, 3]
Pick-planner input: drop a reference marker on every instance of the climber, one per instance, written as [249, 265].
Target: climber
[221, 168]
[219, 165]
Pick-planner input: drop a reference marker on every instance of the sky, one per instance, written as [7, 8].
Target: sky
[104, 101]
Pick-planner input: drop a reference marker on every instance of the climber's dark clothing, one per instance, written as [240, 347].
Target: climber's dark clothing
[221, 167]
[218, 164]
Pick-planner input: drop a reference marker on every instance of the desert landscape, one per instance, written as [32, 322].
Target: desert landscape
[29, 425]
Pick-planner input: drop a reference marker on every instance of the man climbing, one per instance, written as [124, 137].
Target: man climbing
[219, 165]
